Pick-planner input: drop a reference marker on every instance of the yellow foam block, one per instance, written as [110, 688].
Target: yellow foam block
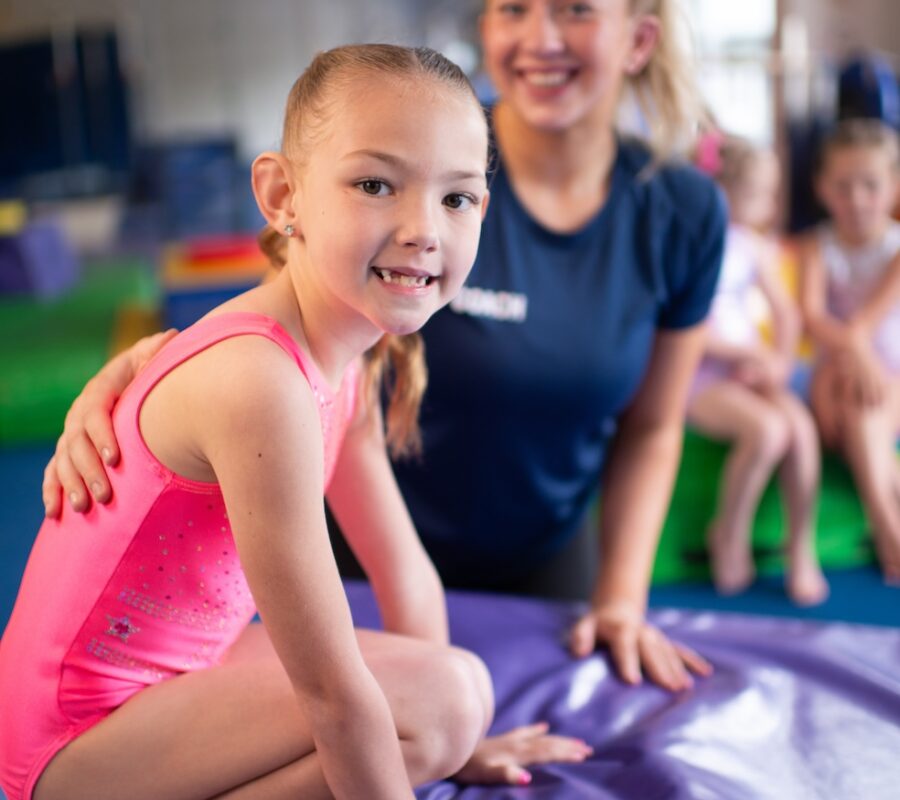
[13, 216]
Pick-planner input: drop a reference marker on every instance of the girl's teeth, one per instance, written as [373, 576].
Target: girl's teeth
[547, 78]
[402, 280]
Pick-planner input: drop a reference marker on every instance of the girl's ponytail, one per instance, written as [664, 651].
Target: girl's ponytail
[273, 245]
[397, 363]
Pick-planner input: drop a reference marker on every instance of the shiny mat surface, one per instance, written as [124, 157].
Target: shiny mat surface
[796, 710]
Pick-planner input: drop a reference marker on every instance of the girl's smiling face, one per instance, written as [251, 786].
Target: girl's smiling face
[390, 200]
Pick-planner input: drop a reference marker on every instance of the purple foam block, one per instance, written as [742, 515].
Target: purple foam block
[38, 261]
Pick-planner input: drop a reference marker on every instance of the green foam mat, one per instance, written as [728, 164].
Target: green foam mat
[49, 349]
[841, 529]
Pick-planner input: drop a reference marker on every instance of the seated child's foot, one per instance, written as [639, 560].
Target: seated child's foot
[888, 557]
[805, 584]
[731, 562]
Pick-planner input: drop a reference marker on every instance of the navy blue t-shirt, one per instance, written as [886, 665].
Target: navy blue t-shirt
[545, 346]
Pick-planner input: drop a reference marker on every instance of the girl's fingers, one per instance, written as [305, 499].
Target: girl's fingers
[531, 731]
[497, 772]
[549, 749]
[513, 774]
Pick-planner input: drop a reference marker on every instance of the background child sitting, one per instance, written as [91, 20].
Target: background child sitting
[851, 303]
[740, 394]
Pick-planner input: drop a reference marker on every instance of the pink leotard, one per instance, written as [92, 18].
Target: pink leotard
[137, 591]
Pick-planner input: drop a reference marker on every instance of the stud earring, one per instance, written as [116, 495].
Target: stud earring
[288, 230]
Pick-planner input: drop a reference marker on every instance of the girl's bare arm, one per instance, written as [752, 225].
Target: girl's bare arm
[261, 436]
[367, 503]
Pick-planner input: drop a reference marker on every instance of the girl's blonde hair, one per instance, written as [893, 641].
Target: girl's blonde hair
[395, 362]
[737, 156]
[666, 89]
[861, 132]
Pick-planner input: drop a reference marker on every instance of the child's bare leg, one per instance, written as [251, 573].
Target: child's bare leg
[822, 394]
[759, 436]
[894, 400]
[237, 731]
[868, 442]
[799, 477]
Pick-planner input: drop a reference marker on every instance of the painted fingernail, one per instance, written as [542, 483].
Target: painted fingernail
[524, 778]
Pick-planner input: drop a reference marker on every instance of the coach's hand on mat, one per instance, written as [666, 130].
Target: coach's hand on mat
[76, 470]
[504, 758]
[635, 646]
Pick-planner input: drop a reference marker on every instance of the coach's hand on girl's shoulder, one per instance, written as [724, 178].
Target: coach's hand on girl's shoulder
[87, 445]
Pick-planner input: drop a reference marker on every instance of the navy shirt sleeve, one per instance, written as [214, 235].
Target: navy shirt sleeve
[700, 214]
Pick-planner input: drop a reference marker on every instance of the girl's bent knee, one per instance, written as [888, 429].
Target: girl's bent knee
[770, 437]
[481, 679]
[461, 716]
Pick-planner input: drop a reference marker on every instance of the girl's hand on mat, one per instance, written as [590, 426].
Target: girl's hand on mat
[88, 442]
[504, 758]
[635, 646]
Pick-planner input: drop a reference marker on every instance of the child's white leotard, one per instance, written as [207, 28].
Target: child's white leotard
[731, 316]
[853, 273]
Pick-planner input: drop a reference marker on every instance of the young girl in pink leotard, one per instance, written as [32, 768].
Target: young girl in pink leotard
[740, 393]
[128, 668]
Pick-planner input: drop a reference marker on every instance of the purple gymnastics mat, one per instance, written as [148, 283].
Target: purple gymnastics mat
[795, 710]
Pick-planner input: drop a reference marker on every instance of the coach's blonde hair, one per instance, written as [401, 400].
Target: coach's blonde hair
[666, 88]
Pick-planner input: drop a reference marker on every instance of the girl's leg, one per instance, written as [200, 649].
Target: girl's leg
[894, 399]
[822, 394]
[760, 436]
[799, 477]
[868, 440]
[236, 731]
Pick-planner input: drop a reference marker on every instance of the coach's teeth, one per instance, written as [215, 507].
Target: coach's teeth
[547, 78]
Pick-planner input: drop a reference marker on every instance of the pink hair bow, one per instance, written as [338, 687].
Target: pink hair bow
[708, 155]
